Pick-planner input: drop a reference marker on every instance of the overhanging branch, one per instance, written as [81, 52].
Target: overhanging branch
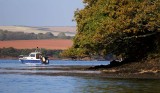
[140, 36]
[120, 40]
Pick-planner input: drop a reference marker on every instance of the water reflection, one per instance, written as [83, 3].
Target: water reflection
[90, 85]
[19, 78]
[14, 83]
[15, 67]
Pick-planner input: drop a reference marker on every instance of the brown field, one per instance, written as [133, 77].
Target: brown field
[29, 44]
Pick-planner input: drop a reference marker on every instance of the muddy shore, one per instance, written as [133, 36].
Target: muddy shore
[85, 71]
[80, 71]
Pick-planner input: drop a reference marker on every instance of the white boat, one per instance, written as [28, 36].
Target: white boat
[34, 57]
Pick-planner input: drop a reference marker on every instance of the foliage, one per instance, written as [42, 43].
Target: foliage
[9, 35]
[61, 35]
[74, 53]
[121, 27]
[12, 52]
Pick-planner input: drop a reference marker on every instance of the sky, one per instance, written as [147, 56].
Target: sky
[38, 12]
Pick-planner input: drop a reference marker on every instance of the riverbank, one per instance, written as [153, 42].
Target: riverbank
[86, 72]
[137, 70]
[149, 68]
[83, 71]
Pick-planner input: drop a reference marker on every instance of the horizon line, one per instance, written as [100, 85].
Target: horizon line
[37, 26]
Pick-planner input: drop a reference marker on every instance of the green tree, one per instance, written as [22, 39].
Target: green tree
[120, 27]
[61, 35]
[49, 35]
[2, 35]
[9, 52]
[40, 36]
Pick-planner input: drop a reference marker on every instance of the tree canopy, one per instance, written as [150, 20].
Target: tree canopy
[10, 35]
[121, 27]
[12, 52]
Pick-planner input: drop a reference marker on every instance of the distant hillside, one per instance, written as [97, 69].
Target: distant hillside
[68, 30]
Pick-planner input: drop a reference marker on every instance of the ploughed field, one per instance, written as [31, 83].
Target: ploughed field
[30, 44]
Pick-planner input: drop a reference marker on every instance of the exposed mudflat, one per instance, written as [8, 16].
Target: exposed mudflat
[78, 71]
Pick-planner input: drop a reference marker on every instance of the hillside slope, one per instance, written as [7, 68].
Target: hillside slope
[68, 30]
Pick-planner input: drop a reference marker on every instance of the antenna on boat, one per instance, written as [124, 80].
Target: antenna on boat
[36, 49]
[40, 50]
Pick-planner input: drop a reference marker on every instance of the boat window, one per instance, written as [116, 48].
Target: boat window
[32, 55]
[38, 56]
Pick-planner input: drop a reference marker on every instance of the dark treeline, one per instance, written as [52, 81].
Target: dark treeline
[9, 35]
[14, 53]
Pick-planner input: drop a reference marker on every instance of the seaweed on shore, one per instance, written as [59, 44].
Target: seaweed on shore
[112, 64]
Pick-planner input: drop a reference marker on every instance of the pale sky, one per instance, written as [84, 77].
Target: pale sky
[38, 12]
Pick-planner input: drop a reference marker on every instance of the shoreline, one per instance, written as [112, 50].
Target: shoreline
[148, 69]
[79, 71]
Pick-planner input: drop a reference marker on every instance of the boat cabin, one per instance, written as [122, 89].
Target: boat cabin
[35, 55]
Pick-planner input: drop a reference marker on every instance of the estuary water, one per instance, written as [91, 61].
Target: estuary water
[21, 78]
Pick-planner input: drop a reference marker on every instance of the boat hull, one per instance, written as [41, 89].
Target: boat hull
[31, 61]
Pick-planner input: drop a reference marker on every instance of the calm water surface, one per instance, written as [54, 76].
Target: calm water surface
[25, 83]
